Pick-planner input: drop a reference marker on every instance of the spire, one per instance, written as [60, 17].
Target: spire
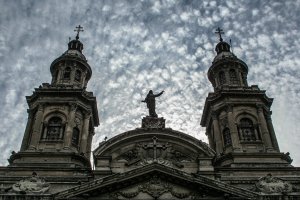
[221, 46]
[76, 44]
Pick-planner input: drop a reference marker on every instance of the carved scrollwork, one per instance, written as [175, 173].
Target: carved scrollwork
[155, 187]
[155, 152]
[224, 122]
[270, 184]
[33, 184]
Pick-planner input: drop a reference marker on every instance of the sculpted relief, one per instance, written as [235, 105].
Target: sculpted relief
[155, 188]
[33, 185]
[156, 152]
[270, 184]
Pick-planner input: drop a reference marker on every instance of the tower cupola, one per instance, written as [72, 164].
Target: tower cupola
[71, 68]
[227, 70]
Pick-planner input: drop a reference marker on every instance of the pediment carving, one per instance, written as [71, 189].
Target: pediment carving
[34, 185]
[156, 152]
[156, 188]
[270, 184]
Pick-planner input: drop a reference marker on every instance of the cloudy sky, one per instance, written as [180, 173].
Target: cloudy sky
[133, 46]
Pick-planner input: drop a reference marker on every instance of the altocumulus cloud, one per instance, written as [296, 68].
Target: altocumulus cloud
[134, 46]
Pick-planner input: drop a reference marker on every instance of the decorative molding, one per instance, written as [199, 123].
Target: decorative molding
[229, 107]
[155, 187]
[155, 152]
[214, 115]
[224, 122]
[77, 121]
[73, 107]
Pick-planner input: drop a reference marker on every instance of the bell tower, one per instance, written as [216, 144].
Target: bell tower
[61, 116]
[237, 117]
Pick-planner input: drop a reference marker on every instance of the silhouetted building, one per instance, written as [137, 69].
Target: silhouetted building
[242, 161]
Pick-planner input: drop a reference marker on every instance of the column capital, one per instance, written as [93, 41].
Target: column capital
[269, 116]
[260, 108]
[229, 107]
[214, 115]
[87, 114]
[73, 106]
[30, 113]
[41, 106]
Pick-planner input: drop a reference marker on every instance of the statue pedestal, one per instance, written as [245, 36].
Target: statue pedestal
[153, 122]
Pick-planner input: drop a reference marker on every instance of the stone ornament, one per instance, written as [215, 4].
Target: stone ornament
[155, 187]
[153, 122]
[156, 152]
[34, 184]
[270, 184]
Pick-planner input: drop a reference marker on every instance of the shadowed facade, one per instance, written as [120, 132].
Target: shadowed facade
[242, 160]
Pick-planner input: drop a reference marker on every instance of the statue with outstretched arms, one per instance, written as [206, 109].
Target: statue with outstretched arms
[150, 101]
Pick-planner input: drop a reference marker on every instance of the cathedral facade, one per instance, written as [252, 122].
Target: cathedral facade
[242, 160]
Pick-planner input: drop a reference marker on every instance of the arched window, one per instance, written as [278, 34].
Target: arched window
[75, 136]
[77, 75]
[247, 130]
[233, 77]
[227, 137]
[67, 73]
[222, 78]
[54, 130]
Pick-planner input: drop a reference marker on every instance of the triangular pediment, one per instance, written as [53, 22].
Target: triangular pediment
[155, 181]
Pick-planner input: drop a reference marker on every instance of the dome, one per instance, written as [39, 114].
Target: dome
[74, 53]
[224, 55]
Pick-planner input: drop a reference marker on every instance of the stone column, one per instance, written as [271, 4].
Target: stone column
[83, 79]
[27, 131]
[227, 77]
[240, 78]
[233, 129]
[69, 126]
[36, 133]
[89, 143]
[209, 137]
[264, 128]
[59, 75]
[272, 132]
[85, 133]
[217, 134]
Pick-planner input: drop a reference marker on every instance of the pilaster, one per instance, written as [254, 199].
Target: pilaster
[36, 133]
[264, 128]
[85, 132]
[217, 133]
[272, 132]
[26, 137]
[70, 125]
[233, 129]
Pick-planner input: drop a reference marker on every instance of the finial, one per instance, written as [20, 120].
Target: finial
[220, 32]
[78, 29]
